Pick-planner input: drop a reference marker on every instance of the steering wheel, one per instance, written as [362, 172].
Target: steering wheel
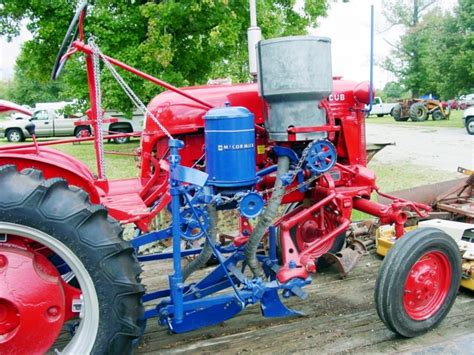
[71, 35]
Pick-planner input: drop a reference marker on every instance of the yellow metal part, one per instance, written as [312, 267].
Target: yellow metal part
[465, 171]
[385, 238]
[467, 280]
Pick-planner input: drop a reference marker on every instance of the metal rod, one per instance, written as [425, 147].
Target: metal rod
[371, 89]
[253, 13]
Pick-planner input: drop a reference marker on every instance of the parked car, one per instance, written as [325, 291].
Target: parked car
[468, 119]
[466, 101]
[380, 108]
[52, 123]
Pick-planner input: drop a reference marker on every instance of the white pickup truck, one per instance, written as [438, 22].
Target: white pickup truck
[380, 108]
[51, 123]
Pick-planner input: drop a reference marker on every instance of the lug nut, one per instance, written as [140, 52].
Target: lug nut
[53, 313]
[3, 261]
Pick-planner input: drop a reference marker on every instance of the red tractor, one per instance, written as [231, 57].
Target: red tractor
[69, 281]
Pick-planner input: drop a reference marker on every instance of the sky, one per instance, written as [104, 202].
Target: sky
[347, 24]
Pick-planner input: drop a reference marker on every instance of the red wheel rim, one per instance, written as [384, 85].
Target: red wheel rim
[427, 285]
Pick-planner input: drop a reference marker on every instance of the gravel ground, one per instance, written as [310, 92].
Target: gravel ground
[439, 148]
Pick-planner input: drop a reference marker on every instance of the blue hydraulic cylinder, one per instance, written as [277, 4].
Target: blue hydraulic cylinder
[230, 147]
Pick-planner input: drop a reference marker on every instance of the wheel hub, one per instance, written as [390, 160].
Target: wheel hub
[427, 285]
[32, 301]
[310, 231]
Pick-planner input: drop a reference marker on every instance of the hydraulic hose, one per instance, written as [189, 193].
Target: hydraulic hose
[206, 252]
[266, 219]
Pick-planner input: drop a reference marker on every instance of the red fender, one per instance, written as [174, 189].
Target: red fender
[54, 163]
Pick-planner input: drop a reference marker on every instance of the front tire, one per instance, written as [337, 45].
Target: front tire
[15, 135]
[121, 140]
[470, 125]
[60, 222]
[437, 115]
[418, 282]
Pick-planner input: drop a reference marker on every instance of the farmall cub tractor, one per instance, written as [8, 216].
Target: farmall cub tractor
[70, 283]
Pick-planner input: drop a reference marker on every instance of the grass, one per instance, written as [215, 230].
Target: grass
[455, 120]
[117, 166]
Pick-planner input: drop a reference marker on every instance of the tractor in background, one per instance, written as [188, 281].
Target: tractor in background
[419, 110]
[71, 283]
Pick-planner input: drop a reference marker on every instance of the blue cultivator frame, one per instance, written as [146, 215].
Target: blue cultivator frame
[187, 307]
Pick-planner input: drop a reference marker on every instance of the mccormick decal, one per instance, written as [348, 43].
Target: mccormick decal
[222, 147]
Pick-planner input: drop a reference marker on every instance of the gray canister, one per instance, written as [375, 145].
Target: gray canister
[294, 74]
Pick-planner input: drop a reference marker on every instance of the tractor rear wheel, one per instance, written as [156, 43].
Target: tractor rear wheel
[418, 112]
[396, 113]
[418, 282]
[66, 269]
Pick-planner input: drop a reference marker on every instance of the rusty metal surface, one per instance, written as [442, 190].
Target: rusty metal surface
[374, 148]
[427, 194]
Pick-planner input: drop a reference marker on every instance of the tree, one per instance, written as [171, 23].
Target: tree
[455, 55]
[436, 53]
[393, 90]
[183, 42]
[404, 60]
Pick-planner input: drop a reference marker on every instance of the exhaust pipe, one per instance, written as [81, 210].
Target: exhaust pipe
[254, 35]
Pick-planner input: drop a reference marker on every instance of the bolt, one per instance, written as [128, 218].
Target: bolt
[53, 313]
[292, 264]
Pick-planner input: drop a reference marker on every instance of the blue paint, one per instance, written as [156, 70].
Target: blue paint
[251, 205]
[321, 157]
[230, 147]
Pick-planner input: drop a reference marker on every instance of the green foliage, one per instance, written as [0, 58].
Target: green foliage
[393, 90]
[436, 54]
[182, 42]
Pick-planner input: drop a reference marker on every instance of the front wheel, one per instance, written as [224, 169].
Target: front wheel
[470, 125]
[418, 282]
[437, 115]
[121, 140]
[70, 284]
[15, 135]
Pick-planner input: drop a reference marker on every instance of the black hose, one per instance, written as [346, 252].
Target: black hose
[206, 252]
[266, 219]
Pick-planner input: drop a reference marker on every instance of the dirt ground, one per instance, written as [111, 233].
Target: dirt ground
[340, 317]
[443, 148]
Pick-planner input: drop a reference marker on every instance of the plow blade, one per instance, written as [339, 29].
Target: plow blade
[272, 306]
[427, 194]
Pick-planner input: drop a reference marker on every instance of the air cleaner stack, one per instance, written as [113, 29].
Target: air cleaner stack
[294, 74]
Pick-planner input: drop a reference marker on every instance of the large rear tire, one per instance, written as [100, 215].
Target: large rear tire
[61, 220]
[396, 113]
[418, 282]
[418, 112]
